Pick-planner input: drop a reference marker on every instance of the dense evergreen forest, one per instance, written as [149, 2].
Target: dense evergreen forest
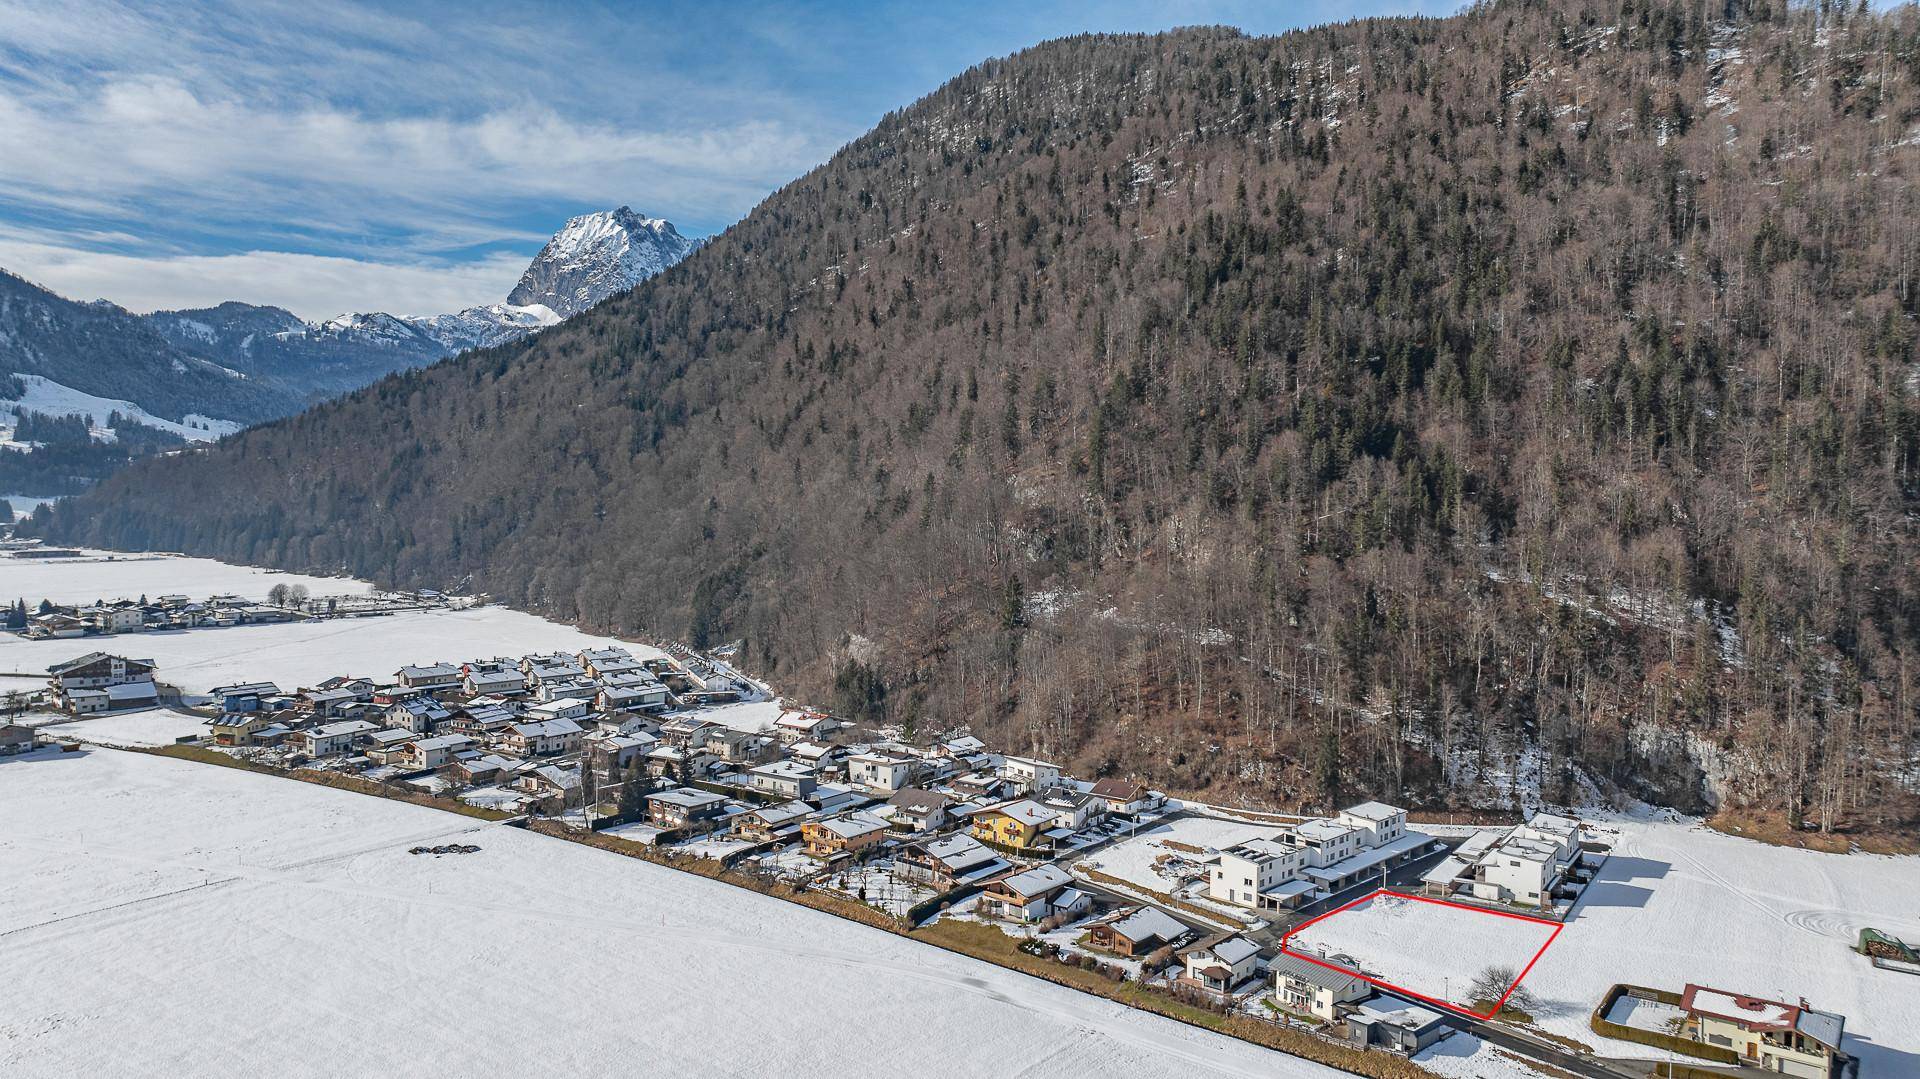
[1420, 408]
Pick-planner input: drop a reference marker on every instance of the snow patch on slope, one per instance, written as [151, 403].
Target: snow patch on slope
[45, 396]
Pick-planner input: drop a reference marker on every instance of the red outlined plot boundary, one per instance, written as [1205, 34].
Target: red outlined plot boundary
[1403, 991]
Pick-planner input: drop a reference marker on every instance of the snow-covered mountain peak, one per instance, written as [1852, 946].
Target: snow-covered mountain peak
[597, 255]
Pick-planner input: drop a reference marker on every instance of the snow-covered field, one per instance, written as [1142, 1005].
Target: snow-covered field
[1679, 903]
[113, 575]
[1433, 949]
[291, 654]
[148, 727]
[176, 919]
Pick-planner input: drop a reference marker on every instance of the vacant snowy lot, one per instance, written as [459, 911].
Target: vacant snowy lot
[183, 920]
[1680, 903]
[1430, 948]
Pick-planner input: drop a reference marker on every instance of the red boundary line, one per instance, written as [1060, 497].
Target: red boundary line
[1447, 1004]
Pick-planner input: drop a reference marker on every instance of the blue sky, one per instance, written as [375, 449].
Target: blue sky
[411, 158]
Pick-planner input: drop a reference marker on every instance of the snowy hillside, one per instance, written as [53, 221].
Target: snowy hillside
[596, 256]
[50, 398]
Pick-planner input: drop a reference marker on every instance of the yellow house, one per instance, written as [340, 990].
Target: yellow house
[844, 834]
[1021, 825]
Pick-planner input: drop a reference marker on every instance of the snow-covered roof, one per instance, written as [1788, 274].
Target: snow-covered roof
[1150, 923]
[853, 825]
[1305, 970]
[1322, 830]
[345, 726]
[1027, 812]
[1373, 811]
[686, 797]
[1235, 950]
[1037, 881]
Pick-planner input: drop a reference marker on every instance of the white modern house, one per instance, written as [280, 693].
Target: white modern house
[879, 771]
[1029, 774]
[1315, 858]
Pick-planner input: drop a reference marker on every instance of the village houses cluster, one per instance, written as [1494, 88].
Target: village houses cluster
[176, 612]
[630, 746]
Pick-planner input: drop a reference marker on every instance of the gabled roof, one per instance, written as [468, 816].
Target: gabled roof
[1024, 810]
[1119, 790]
[1150, 923]
[915, 799]
[1303, 970]
[1761, 1014]
[1037, 881]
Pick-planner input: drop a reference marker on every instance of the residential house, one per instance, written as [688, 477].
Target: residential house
[634, 696]
[431, 677]
[331, 739]
[1528, 863]
[1792, 1039]
[1137, 932]
[97, 670]
[1314, 858]
[1392, 1023]
[552, 784]
[730, 745]
[805, 727]
[1028, 774]
[420, 715]
[327, 703]
[785, 779]
[56, 625]
[684, 807]
[1020, 825]
[1073, 809]
[562, 708]
[1126, 798]
[1034, 895]
[246, 697]
[1301, 985]
[239, 728]
[542, 738]
[880, 772]
[949, 862]
[913, 810]
[477, 719]
[1221, 966]
[117, 618]
[15, 738]
[435, 752]
[845, 834]
[481, 680]
[483, 768]
[774, 823]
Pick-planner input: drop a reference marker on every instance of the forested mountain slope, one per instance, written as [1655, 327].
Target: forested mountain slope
[1386, 407]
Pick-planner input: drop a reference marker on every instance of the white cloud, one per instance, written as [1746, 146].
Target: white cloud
[311, 286]
[154, 139]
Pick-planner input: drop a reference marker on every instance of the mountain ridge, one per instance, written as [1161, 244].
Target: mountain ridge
[1424, 407]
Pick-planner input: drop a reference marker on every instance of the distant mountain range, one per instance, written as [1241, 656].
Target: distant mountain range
[246, 363]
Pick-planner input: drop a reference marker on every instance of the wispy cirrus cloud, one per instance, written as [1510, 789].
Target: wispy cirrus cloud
[330, 154]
